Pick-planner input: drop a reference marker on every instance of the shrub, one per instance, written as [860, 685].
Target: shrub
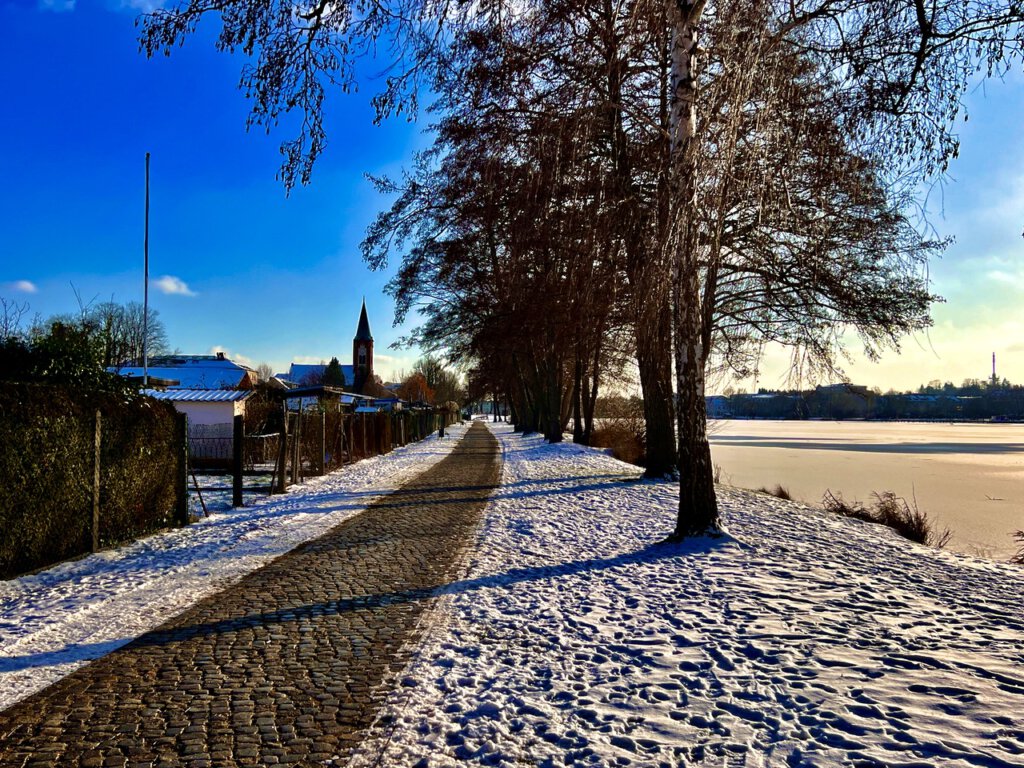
[47, 465]
[67, 355]
[620, 426]
[1018, 559]
[625, 444]
[893, 511]
[778, 491]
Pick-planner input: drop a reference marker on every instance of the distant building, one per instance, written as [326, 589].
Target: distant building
[304, 375]
[194, 372]
[717, 406]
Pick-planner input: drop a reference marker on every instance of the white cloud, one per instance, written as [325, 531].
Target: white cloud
[57, 6]
[1002, 276]
[311, 359]
[172, 285]
[22, 286]
[146, 6]
[391, 367]
[232, 356]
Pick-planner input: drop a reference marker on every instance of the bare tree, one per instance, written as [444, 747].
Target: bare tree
[894, 71]
[12, 315]
[265, 372]
[119, 330]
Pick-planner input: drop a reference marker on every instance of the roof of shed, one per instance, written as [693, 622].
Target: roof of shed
[199, 395]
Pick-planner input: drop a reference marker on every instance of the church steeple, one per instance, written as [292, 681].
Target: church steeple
[363, 331]
[362, 352]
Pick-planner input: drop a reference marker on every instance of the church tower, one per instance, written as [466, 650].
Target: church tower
[362, 352]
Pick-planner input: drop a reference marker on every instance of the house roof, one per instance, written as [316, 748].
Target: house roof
[303, 374]
[363, 331]
[355, 397]
[191, 371]
[199, 395]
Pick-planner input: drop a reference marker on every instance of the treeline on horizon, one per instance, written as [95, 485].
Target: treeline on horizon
[973, 400]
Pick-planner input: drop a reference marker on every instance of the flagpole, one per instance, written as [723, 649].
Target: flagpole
[145, 291]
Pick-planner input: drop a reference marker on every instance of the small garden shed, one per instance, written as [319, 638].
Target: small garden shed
[205, 406]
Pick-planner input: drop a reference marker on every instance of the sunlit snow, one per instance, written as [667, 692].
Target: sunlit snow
[800, 638]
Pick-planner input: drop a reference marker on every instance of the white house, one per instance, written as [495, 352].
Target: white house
[205, 406]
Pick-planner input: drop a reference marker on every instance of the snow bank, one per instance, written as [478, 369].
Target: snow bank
[55, 621]
[799, 639]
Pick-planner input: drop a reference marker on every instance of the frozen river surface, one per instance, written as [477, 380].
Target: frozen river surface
[969, 477]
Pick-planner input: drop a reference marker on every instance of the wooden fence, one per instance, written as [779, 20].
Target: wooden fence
[315, 442]
[311, 443]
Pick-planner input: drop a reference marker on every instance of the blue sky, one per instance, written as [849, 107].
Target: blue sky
[270, 278]
[981, 275]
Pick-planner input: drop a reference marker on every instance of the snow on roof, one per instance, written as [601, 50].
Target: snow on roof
[301, 372]
[192, 378]
[191, 371]
[199, 395]
[204, 361]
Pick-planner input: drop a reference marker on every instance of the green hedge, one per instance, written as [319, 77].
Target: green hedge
[47, 451]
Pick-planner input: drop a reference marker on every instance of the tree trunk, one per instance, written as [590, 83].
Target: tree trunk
[590, 396]
[577, 402]
[554, 422]
[653, 330]
[698, 506]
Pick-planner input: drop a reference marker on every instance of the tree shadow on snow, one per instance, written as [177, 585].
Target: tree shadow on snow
[378, 602]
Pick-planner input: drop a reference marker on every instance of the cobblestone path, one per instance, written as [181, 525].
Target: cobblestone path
[283, 667]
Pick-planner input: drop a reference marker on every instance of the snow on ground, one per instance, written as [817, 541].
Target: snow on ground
[56, 620]
[800, 638]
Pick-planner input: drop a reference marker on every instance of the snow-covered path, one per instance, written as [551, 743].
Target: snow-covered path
[55, 621]
[799, 639]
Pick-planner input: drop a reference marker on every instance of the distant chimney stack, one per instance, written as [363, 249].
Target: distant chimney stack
[220, 355]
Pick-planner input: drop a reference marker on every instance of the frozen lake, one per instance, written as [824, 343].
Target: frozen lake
[969, 477]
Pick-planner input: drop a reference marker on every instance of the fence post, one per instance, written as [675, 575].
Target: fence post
[181, 481]
[296, 446]
[96, 482]
[282, 450]
[362, 422]
[323, 443]
[237, 444]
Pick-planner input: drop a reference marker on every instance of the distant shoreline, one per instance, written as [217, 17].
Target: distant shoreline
[870, 420]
